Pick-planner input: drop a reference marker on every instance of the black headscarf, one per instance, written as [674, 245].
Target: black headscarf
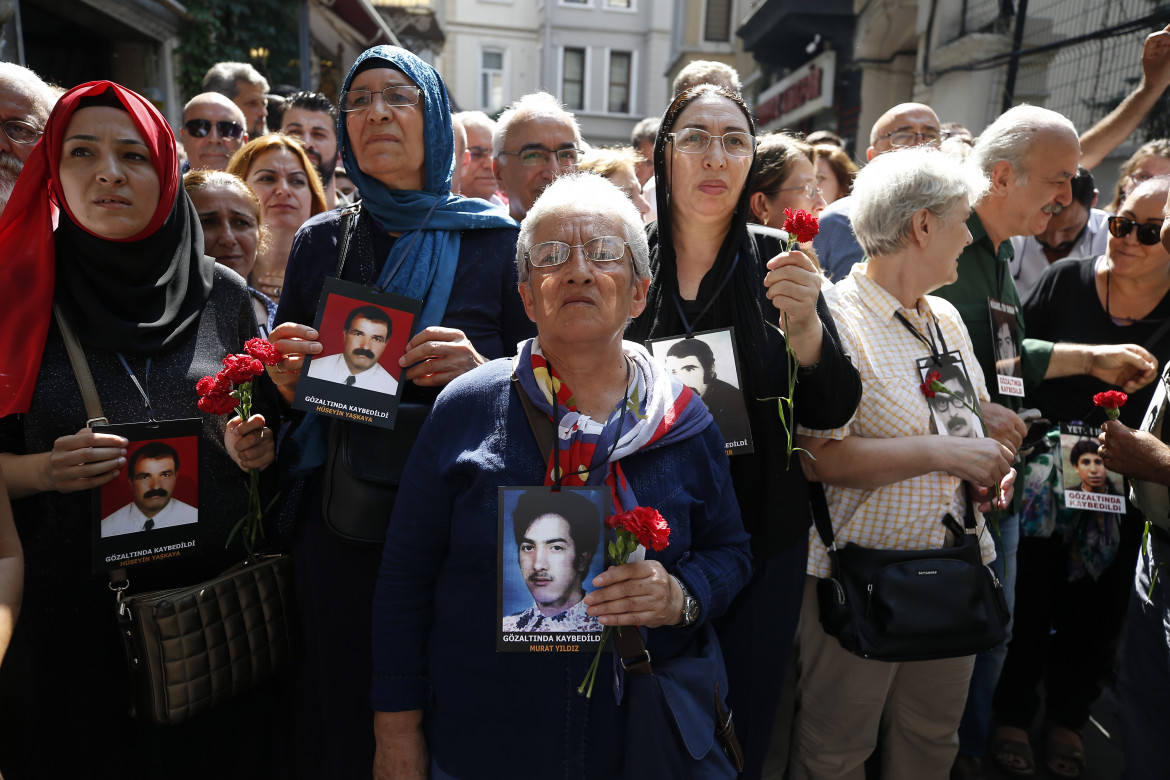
[738, 300]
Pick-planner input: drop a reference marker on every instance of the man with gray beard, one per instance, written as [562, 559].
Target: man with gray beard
[25, 103]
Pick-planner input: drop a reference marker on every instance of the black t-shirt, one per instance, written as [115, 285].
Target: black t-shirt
[1064, 307]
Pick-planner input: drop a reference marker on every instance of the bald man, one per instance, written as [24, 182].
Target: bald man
[904, 126]
[213, 129]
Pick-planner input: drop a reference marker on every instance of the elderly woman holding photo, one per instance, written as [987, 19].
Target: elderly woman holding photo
[890, 475]
[409, 236]
[622, 423]
[713, 270]
[125, 268]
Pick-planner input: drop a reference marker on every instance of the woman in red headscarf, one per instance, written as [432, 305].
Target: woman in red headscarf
[100, 229]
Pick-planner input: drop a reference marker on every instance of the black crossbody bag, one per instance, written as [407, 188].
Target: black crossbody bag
[909, 605]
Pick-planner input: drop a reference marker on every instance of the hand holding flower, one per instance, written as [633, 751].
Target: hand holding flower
[250, 444]
[636, 594]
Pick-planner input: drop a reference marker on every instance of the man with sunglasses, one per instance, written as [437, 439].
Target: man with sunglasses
[25, 103]
[535, 141]
[1077, 230]
[212, 131]
[902, 127]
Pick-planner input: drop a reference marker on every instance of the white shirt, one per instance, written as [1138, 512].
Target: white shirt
[333, 368]
[1030, 262]
[129, 519]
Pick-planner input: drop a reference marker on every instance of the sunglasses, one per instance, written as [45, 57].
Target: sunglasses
[199, 128]
[1148, 234]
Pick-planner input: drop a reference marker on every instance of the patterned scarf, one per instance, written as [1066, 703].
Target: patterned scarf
[658, 410]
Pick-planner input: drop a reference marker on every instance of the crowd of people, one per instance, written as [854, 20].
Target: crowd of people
[594, 329]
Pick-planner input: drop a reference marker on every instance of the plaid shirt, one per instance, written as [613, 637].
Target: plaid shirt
[906, 514]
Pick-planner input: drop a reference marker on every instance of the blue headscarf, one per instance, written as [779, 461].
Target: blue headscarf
[428, 219]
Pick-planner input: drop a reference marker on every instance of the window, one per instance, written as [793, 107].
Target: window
[573, 79]
[491, 80]
[619, 4]
[717, 25]
[619, 82]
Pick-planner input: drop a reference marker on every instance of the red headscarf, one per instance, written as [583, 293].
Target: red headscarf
[28, 261]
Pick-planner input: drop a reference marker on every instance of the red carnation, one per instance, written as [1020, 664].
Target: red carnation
[219, 384]
[263, 350]
[1111, 401]
[801, 224]
[217, 403]
[646, 524]
[241, 368]
[927, 385]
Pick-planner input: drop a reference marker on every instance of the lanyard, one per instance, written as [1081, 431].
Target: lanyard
[678, 301]
[930, 342]
[137, 384]
[616, 439]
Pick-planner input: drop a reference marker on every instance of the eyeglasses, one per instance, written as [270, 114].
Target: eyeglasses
[21, 132]
[478, 152]
[944, 402]
[811, 190]
[397, 95]
[199, 128]
[900, 139]
[1147, 233]
[692, 140]
[566, 158]
[603, 249]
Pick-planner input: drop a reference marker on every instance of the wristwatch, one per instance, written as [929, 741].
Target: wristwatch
[690, 606]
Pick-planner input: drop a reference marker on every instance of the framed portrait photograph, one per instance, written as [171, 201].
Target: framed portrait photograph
[356, 376]
[707, 363]
[1087, 483]
[950, 411]
[1005, 339]
[551, 546]
[150, 511]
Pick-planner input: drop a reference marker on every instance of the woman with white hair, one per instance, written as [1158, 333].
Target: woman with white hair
[891, 477]
[619, 421]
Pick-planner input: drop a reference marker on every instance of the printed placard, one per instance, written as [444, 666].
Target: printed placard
[951, 414]
[356, 377]
[707, 363]
[551, 546]
[150, 511]
[1087, 483]
[1005, 340]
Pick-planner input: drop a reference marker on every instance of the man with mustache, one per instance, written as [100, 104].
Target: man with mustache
[153, 471]
[25, 103]
[1076, 230]
[1030, 154]
[557, 536]
[952, 417]
[213, 130]
[311, 118]
[367, 329]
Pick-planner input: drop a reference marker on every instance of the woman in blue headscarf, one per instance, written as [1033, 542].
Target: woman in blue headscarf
[410, 236]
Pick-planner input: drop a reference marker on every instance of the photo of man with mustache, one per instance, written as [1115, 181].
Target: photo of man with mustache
[951, 417]
[153, 470]
[367, 329]
[557, 535]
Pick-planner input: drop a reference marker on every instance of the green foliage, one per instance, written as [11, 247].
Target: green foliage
[226, 30]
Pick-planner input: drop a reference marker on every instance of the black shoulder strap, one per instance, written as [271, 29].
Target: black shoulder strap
[349, 217]
[541, 428]
[824, 524]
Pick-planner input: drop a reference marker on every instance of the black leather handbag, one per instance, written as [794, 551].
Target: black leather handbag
[909, 605]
